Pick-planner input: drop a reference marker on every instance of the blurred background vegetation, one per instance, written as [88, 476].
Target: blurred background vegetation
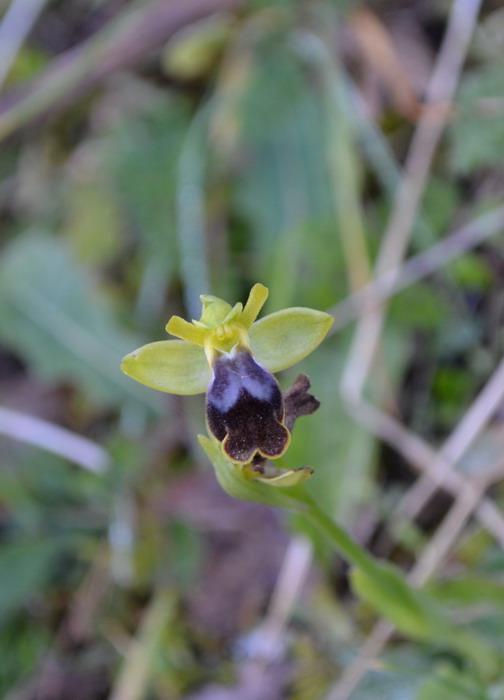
[156, 150]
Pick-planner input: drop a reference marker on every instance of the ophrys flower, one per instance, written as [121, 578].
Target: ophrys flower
[231, 356]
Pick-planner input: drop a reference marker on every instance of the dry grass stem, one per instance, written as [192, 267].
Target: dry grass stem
[417, 268]
[50, 437]
[466, 431]
[293, 572]
[441, 90]
[16, 24]
[369, 651]
[135, 676]
[440, 93]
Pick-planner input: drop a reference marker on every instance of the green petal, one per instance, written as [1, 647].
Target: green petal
[169, 365]
[181, 328]
[255, 302]
[281, 339]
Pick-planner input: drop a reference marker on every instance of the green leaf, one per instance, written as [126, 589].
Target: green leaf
[26, 566]
[471, 270]
[449, 683]
[470, 590]
[417, 614]
[144, 151]
[92, 220]
[169, 365]
[54, 316]
[419, 307]
[282, 339]
[478, 131]
[387, 591]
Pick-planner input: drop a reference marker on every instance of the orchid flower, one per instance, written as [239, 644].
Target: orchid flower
[231, 356]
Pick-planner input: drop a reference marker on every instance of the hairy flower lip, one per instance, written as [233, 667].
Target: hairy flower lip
[245, 410]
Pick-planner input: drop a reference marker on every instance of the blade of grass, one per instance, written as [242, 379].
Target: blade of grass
[342, 161]
[191, 213]
[134, 677]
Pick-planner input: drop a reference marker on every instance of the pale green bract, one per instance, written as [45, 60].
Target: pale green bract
[234, 480]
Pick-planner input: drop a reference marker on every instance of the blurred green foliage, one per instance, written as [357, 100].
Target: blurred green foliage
[237, 152]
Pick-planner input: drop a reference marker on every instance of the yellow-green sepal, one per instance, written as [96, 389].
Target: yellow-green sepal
[283, 338]
[237, 485]
[173, 366]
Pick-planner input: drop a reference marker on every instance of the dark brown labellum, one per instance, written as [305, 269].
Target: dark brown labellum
[245, 409]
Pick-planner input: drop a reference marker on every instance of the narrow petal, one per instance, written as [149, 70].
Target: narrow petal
[255, 302]
[181, 328]
[283, 338]
[173, 366]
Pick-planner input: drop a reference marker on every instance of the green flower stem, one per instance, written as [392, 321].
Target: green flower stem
[345, 545]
